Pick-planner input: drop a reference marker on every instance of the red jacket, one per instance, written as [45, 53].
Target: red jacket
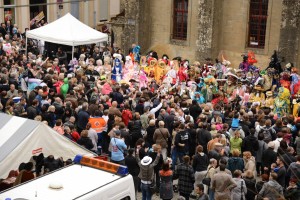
[126, 116]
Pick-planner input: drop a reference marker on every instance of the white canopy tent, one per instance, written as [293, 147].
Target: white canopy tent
[67, 30]
[22, 138]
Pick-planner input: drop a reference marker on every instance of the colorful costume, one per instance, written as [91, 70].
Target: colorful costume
[143, 80]
[257, 97]
[282, 102]
[136, 53]
[117, 70]
[295, 81]
[269, 102]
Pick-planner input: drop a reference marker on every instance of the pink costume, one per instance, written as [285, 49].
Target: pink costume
[143, 80]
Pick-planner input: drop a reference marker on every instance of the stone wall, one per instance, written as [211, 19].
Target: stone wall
[290, 31]
[205, 29]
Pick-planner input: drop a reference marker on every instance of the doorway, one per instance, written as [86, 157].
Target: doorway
[41, 5]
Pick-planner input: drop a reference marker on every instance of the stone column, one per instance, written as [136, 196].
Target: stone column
[290, 30]
[205, 29]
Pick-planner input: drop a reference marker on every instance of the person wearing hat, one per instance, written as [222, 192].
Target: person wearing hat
[118, 147]
[147, 173]
[269, 157]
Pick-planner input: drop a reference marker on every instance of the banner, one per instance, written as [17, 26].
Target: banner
[38, 18]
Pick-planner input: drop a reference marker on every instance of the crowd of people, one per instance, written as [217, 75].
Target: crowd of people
[225, 132]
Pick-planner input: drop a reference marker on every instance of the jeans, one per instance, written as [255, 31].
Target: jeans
[175, 155]
[211, 194]
[146, 192]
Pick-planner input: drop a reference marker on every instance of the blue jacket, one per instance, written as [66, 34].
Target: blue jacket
[117, 149]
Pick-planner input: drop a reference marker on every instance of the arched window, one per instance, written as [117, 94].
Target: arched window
[180, 19]
[258, 23]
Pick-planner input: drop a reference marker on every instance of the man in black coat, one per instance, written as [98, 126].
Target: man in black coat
[195, 110]
[269, 157]
[203, 136]
[3, 29]
[250, 143]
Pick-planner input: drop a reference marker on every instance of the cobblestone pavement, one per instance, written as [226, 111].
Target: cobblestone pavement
[155, 197]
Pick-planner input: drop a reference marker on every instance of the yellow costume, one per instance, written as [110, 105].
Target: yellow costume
[257, 97]
[269, 103]
[159, 71]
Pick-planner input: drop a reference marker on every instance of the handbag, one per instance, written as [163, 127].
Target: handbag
[152, 185]
[125, 151]
[207, 180]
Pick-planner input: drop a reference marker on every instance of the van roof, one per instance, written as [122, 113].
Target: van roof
[76, 180]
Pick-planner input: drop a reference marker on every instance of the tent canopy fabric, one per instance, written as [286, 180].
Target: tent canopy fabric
[67, 30]
[22, 138]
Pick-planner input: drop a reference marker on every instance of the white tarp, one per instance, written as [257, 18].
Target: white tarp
[67, 30]
[20, 138]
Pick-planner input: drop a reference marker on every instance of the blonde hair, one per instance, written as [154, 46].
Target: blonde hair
[247, 154]
[84, 133]
[51, 108]
[236, 153]
[249, 174]
[152, 122]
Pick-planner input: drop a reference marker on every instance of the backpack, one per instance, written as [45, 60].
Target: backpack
[267, 133]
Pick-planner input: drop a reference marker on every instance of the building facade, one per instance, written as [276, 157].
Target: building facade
[90, 12]
[192, 29]
[199, 29]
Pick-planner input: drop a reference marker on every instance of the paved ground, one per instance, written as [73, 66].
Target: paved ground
[155, 197]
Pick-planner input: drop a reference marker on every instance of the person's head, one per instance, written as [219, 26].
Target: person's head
[247, 155]
[265, 177]
[222, 167]
[186, 159]
[279, 161]
[236, 153]
[293, 182]
[213, 162]
[12, 87]
[152, 122]
[130, 151]
[236, 173]
[88, 126]
[249, 174]
[237, 134]
[51, 109]
[273, 176]
[84, 133]
[67, 129]
[58, 122]
[199, 149]
[161, 124]
[28, 166]
[199, 189]
[165, 166]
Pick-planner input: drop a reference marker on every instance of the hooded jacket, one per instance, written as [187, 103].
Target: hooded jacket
[271, 190]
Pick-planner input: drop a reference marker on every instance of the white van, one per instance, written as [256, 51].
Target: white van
[88, 179]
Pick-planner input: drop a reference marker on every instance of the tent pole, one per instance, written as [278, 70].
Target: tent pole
[26, 48]
[72, 52]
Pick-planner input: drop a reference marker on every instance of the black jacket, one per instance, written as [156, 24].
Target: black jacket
[169, 122]
[86, 142]
[250, 143]
[269, 156]
[195, 111]
[203, 137]
[133, 167]
[32, 112]
[200, 162]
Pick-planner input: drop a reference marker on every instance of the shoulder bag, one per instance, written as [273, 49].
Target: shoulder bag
[207, 180]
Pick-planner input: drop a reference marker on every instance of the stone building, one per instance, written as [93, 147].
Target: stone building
[197, 29]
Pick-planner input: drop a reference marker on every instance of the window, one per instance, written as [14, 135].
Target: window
[9, 11]
[258, 23]
[180, 19]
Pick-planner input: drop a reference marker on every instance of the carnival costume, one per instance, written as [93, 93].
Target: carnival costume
[282, 102]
